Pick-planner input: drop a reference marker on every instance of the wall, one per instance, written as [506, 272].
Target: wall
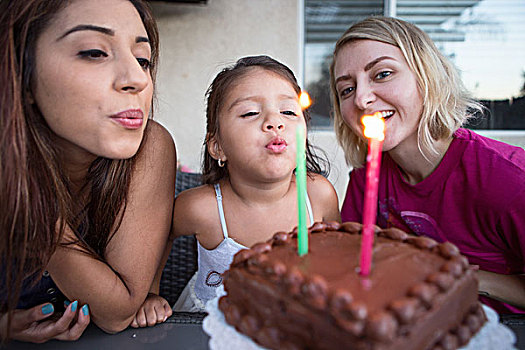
[197, 41]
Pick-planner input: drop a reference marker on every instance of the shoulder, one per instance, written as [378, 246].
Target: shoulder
[317, 182]
[153, 175]
[487, 164]
[357, 177]
[195, 197]
[156, 161]
[195, 210]
[323, 197]
[487, 149]
[157, 142]
[492, 160]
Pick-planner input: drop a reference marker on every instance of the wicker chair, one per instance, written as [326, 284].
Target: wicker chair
[182, 262]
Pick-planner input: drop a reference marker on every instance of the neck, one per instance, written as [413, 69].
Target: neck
[259, 193]
[416, 167]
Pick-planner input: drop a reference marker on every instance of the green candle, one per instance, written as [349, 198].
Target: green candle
[300, 179]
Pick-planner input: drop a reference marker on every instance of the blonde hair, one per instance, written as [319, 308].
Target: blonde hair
[446, 102]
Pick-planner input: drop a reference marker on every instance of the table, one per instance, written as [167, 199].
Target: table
[517, 324]
[180, 331]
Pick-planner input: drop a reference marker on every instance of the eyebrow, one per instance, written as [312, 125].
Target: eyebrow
[368, 66]
[257, 98]
[103, 30]
[376, 61]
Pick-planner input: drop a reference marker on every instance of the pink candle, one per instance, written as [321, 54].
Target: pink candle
[374, 131]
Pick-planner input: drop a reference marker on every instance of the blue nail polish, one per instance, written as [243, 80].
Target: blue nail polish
[66, 303]
[47, 309]
[85, 310]
[74, 306]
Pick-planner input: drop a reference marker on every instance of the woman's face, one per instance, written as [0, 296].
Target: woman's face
[372, 76]
[92, 81]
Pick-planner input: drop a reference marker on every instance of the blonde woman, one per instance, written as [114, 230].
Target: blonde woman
[437, 179]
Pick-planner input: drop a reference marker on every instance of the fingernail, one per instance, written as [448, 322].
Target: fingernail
[47, 309]
[85, 310]
[66, 303]
[74, 306]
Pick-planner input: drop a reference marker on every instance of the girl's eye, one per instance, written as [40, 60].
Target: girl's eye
[383, 75]
[144, 63]
[249, 114]
[346, 91]
[92, 54]
[289, 113]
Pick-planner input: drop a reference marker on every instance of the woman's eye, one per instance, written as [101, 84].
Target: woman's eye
[289, 113]
[249, 114]
[383, 75]
[346, 91]
[92, 54]
[144, 63]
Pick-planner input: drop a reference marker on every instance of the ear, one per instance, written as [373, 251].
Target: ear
[215, 149]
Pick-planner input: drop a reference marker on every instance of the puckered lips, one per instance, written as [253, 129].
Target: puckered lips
[277, 145]
[130, 118]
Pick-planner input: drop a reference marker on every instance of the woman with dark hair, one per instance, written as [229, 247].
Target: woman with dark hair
[86, 178]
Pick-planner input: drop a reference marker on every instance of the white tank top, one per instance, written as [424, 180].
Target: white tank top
[212, 263]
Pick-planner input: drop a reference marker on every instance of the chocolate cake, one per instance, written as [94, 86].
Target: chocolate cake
[420, 294]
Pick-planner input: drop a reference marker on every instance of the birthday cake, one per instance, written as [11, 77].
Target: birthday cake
[419, 295]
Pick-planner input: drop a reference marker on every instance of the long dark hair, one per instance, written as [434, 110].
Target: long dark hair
[36, 201]
[217, 92]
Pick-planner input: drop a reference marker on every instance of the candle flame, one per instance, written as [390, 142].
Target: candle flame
[304, 100]
[374, 126]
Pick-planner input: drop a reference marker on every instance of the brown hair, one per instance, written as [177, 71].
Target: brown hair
[216, 94]
[36, 199]
[446, 102]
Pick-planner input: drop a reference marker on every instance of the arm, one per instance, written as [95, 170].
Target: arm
[509, 289]
[117, 287]
[155, 308]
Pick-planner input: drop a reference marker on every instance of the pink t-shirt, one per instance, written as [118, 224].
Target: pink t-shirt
[475, 199]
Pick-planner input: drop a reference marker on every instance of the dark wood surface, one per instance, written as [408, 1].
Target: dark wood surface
[182, 331]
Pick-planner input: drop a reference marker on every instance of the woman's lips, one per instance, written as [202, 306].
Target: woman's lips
[129, 119]
[277, 145]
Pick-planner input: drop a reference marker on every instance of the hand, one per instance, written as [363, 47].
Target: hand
[34, 325]
[155, 309]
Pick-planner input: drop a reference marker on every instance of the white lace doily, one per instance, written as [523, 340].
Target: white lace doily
[493, 335]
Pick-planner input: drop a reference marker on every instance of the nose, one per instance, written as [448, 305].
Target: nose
[273, 122]
[364, 95]
[131, 77]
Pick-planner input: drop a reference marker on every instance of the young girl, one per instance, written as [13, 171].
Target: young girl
[437, 179]
[86, 179]
[250, 191]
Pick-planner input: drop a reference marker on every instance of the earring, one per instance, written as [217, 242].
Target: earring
[221, 163]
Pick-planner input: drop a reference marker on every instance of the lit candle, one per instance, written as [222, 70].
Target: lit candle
[300, 179]
[304, 100]
[375, 132]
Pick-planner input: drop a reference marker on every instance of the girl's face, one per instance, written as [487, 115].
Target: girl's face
[258, 122]
[372, 76]
[92, 81]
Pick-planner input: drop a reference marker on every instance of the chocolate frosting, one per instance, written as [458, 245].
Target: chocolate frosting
[319, 300]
